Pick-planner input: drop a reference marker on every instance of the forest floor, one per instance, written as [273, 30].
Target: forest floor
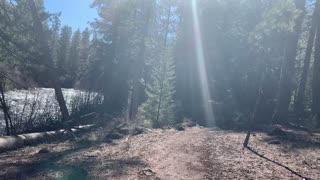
[195, 153]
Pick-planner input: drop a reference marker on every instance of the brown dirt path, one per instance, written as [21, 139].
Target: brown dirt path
[174, 156]
[196, 153]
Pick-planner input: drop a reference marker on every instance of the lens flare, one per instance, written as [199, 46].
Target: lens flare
[206, 97]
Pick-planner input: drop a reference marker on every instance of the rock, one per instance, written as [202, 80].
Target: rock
[107, 140]
[114, 136]
[121, 126]
[123, 131]
[137, 131]
[179, 127]
[147, 172]
[278, 132]
[43, 151]
[274, 142]
[189, 124]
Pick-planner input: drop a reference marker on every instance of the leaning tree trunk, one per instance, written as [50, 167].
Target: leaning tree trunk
[46, 57]
[258, 103]
[299, 103]
[287, 72]
[254, 115]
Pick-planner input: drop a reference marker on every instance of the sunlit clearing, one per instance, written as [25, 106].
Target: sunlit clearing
[206, 97]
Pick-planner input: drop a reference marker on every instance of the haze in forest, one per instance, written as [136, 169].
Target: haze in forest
[160, 89]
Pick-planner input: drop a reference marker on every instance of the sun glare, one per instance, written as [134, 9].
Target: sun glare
[206, 97]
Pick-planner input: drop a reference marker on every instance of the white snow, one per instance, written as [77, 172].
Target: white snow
[41, 99]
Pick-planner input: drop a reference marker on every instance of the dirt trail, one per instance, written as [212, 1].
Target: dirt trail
[174, 156]
[196, 153]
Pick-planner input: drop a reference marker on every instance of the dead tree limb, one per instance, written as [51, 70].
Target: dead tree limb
[277, 163]
[255, 111]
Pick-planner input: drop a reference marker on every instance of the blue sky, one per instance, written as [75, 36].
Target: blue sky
[75, 13]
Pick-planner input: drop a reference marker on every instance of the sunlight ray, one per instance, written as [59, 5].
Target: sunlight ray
[206, 97]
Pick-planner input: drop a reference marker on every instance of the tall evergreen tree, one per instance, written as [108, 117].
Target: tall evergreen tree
[147, 10]
[63, 51]
[54, 31]
[286, 84]
[84, 52]
[159, 106]
[43, 41]
[74, 58]
[299, 105]
[114, 31]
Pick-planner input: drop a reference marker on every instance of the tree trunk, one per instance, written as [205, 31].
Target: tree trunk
[47, 58]
[316, 78]
[299, 103]
[287, 71]
[136, 89]
[5, 109]
[61, 101]
[164, 68]
[108, 68]
[253, 118]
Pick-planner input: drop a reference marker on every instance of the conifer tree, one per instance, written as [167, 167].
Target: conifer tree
[159, 107]
[84, 52]
[74, 58]
[63, 50]
[54, 31]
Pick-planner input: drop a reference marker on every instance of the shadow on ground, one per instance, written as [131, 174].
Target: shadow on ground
[57, 165]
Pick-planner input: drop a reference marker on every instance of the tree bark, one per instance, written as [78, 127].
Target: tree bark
[47, 58]
[299, 103]
[316, 78]
[10, 130]
[287, 71]
[4, 108]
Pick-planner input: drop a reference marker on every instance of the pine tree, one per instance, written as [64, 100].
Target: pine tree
[159, 107]
[300, 99]
[74, 58]
[113, 30]
[63, 51]
[143, 22]
[84, 52]
[287, 69]
[54, 31]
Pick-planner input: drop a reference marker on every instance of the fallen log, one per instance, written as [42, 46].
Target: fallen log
[8, 143]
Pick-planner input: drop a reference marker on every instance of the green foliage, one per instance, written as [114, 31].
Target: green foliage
[149, 45]
[159, 106]
[275, 24]
[64, 50]
[84, 53]
[74, 57]
[147, 123]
